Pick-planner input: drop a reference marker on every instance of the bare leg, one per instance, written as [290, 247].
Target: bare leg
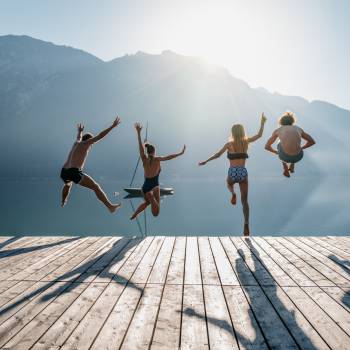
[285, 169]
[65, 193]
[244, 198]
[291, 167]
[90, 183]
[230, 185]
[140, 209]
[155, 201]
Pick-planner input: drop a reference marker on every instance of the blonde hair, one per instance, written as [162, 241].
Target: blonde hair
[288, 118]
[239, 137]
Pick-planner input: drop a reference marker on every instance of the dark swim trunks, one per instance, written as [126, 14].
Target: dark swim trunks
[71, 174]
[150, 183]
[289, 158]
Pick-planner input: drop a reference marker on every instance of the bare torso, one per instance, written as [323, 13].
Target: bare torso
[151, 167]
[77, 155]
[233, 148]
[290, 138]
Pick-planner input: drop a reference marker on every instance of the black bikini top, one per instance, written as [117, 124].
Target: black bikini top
[233, 156]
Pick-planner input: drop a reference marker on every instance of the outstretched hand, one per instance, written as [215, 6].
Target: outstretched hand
[183, 149]
[263, 118]
[202, 163]
[80, 127]
[138, 127]
[116, 122]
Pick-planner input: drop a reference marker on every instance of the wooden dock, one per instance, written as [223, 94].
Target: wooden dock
[174, 292]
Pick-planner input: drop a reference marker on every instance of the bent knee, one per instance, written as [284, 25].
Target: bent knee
[96, 187]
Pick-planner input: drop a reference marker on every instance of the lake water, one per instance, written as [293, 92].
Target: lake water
[278, 206]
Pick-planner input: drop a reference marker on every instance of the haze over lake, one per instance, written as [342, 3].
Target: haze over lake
[278, 206]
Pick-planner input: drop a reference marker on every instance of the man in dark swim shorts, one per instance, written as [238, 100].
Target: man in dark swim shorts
[72, 168]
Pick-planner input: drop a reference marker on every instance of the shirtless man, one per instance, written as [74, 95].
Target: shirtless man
[72, 168]
[289, 149]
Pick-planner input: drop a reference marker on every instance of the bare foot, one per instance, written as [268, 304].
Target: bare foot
[291, 168]
[286, 173]
[246, 230]
[233, 198]
[133, 216]
[114, 207]
[63, 204]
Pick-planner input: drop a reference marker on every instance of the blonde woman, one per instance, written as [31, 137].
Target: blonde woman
[237, 149]
[289, 148]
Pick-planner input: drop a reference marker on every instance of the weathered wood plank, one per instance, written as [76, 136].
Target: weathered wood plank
[73, 268]
[15, 271]
[238, 264]
[330, 307]
[256, 267]
[12, 325]
[85, 333]
[118, 261]
[297, 275]
[246, 328]
[192, 264]
[223, 265]
[299, 263]
[320, 256]
[275, 332]
[193, 329]
[42, 260]
[207, 264]
[331, 333]
[270, 265]
[139, 334]
[161, 265]
[328, 249]
[168, 325]
[339, 295]
[220, 330]
[325, 266]
[177, 262]
[303, 333]
[29, 334]
[57, 334]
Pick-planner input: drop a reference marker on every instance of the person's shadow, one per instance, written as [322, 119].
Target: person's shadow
[288, 319]
[83, 272]
[260, 341]
[345, 265]
[17, 251]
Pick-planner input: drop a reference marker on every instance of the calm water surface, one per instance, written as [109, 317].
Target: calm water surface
[278, 206]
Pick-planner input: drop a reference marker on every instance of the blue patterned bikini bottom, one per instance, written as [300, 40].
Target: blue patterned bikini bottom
[237, 173]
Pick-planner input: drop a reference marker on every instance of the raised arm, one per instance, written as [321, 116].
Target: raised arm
[309, 140]
[261, 130]
[270, 142]
[138, 128]
[172, 156]
[80, 128]
[218, 154]
[104, 132]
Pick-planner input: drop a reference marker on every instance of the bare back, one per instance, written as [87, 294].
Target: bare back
[233, 147]
[77, 155]
[290, 138]
[151, 166]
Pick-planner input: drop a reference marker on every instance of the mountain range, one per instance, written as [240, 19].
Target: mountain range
[46, 89]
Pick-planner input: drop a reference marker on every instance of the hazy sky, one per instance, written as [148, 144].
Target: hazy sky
[295, 47]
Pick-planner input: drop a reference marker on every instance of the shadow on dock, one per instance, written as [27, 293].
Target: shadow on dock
[345, 265]
[82, 273]
[299, 337]
[18, 251]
